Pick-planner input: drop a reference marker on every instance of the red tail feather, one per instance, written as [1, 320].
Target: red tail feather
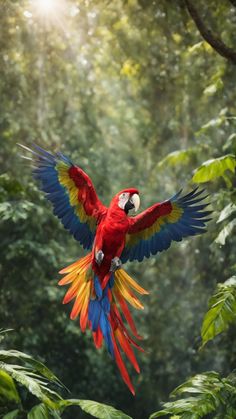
[124, 343]
[98, 338]
[127, 315]
[122, 368]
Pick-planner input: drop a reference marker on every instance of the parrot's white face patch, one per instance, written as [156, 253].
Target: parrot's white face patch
[123, 199]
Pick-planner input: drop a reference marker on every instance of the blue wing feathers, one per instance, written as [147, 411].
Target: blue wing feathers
[194, 201]
[177, 236]
[189, 195]
[174, 197]
[145, 247]
[44, 152]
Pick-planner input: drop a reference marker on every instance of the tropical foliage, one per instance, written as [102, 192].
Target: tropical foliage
[222, 310]
[19, 371]
[138, 95]
[207, 393]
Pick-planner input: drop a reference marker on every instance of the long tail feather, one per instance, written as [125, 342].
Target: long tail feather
[122, 368]
[99, 307]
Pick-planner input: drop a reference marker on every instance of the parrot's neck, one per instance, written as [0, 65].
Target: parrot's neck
[117, 213]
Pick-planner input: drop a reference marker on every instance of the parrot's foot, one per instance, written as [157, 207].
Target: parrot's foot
[99, 257]
[115, 264]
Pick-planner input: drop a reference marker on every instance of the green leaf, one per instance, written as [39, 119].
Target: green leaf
[225, 232]
[230, 142]
[177, 157]
[98, 410]
[199, 47]
[9, 184]
[16, 210]
[38, 412]
[8, 389]
[226, 212]
[222, 310]
[3, 332]
[14, 414]
[187, 408]
[214, 168]
[102, 411]
[213, 88]
[214, 122]
[230, 281]
[230, 413]
[33, 382]
[38, 366]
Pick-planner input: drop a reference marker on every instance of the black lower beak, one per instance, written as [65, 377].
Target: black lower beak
[128, 206]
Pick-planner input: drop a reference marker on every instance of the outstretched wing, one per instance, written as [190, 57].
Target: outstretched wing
[71, 192]
[153, 230]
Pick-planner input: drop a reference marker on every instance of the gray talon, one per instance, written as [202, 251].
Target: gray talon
[99, 257]
[115, 264]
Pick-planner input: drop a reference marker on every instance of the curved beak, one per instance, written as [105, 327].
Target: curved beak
[135, 199]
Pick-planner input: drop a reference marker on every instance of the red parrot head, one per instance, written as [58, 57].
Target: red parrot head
[127, 200]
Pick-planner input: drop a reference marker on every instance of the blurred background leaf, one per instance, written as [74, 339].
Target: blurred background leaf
[119, 88]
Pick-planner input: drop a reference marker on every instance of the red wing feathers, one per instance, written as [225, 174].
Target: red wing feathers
[148, 217]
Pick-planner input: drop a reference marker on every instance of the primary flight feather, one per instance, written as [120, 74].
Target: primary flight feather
[98, 285]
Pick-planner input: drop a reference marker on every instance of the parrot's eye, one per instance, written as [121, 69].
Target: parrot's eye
[124, 195]
[123, 198]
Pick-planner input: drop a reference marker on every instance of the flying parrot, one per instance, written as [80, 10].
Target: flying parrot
[98, 284]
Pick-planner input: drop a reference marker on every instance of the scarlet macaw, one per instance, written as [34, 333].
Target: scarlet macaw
[99, 286]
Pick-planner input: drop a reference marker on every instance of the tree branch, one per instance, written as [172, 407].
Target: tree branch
[233, 2]
[216, 43]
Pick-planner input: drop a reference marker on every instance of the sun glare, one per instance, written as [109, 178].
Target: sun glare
[46, 7]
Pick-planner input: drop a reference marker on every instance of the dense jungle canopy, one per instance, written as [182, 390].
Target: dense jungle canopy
[138, 93]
